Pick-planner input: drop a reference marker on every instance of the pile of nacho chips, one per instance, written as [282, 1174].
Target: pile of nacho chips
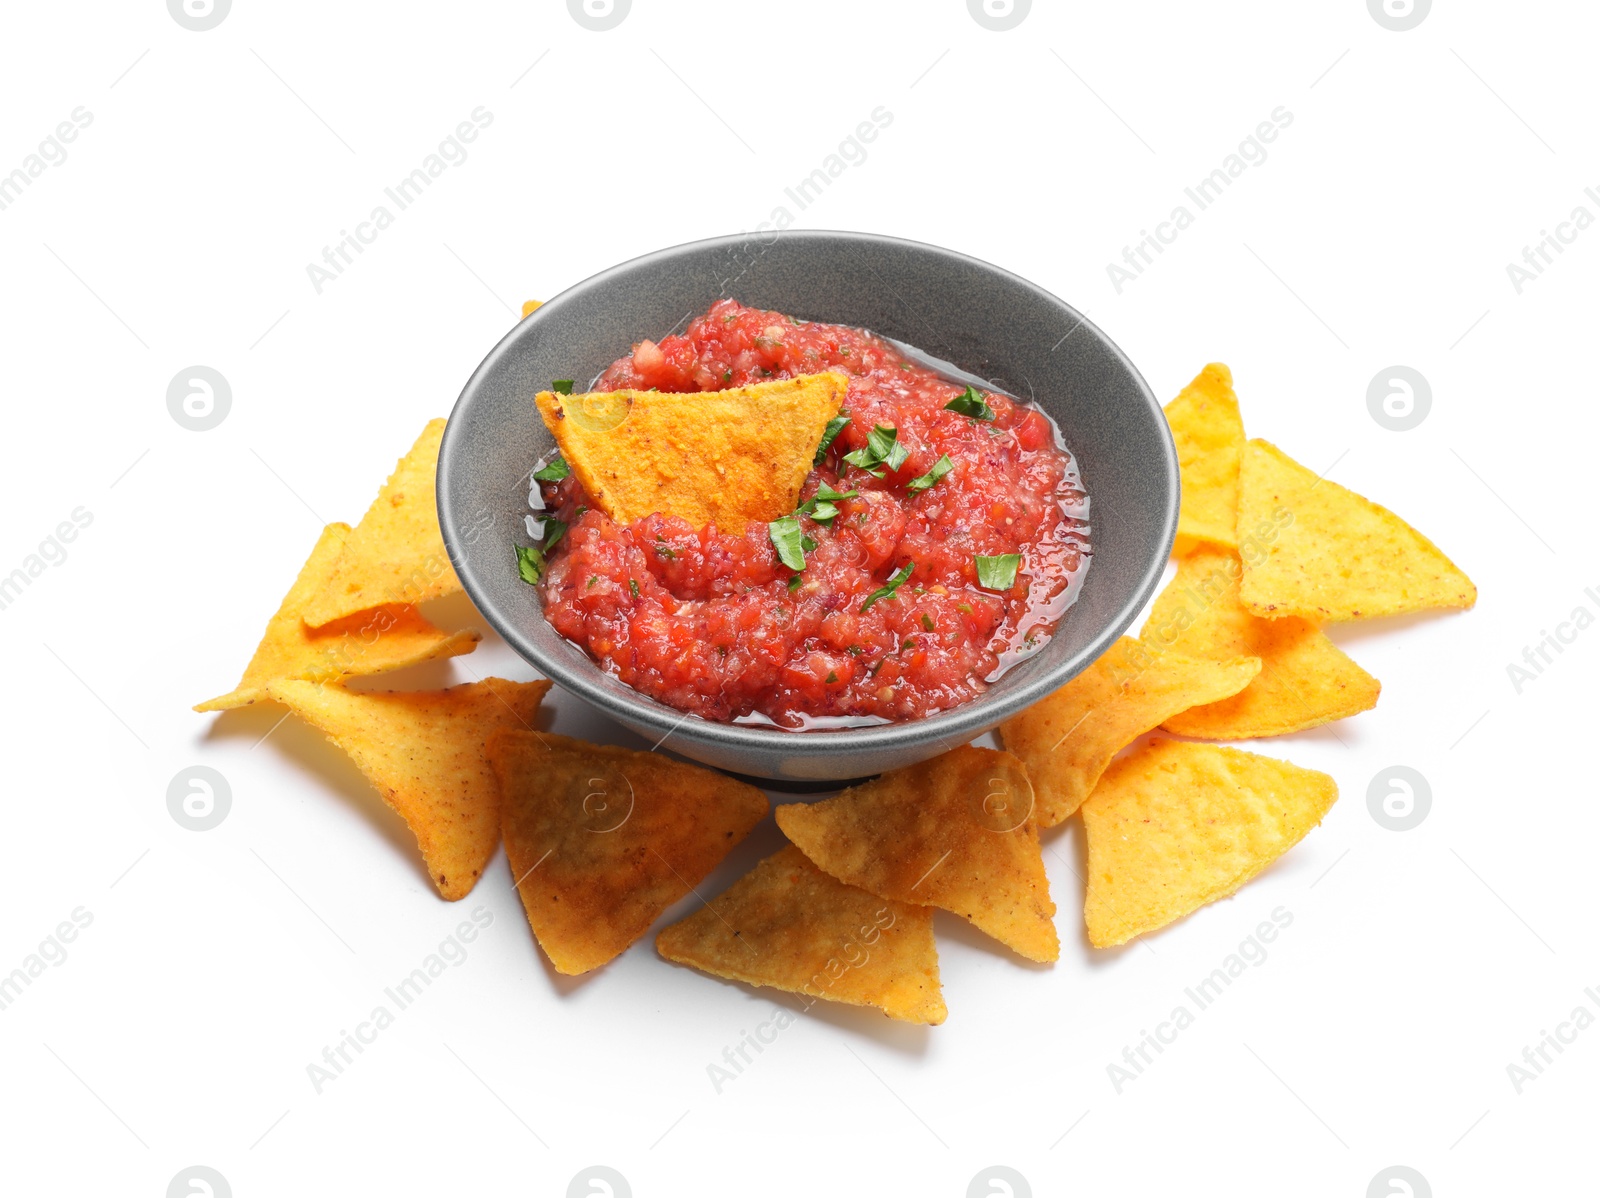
[1268, 551]
[602, 841]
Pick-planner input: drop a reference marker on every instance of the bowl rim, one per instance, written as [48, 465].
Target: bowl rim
[585, 678]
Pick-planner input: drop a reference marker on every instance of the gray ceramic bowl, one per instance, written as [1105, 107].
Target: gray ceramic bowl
[990, 323]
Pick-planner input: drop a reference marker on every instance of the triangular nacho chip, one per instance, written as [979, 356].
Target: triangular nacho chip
[1067, 739]
[423, 750]
[1305, 679]
[955, 832]
[1176, 825]
[602, 840]
[369, 642]
[711, 457]
[788, 925]
[1336, 556]
[1209, 436]
[396, 554]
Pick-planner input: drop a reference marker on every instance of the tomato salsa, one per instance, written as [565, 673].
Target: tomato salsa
[943, 534]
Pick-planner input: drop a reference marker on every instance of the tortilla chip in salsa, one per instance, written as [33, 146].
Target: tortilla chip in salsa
[711, 457]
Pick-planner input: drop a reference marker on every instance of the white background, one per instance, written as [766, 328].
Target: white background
[178, 230]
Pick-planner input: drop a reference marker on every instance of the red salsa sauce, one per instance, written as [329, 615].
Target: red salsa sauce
[711, 621]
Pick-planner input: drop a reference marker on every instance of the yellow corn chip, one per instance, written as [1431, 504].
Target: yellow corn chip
[369, 642]
[1067, 739]
[788, 925]
[396, 554]
[602, 840]
[1336, 556]
[711, 457]
[1176, 825]
[955, 832]
[529, 307]
[423, 750]
[1305, 679]
[1209, 436]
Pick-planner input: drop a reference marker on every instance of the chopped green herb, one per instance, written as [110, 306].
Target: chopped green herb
[554, 472]
[766, 372]
[831, 678]
[829, 435]
[885, 442]
[905, 366]
[890, 587]
[664, 551]
[854, 650]
[998, 573]
[927, 621]
[633, 586]
[923, 481]
[727, 376]
[794, 584]
[578, 515]
[907, 643]
[883, 448]
[593, 578]
[820, 507]
[787, 540]
[964, 608]
[970, 403]
[531, 559]
[530, 564]
[564, 386]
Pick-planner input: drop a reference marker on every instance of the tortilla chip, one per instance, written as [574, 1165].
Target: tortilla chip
[370, 642]
[1209, 436]
[602, 840]
[1305, 679]
[423, 750]
[1176, 825]
[1067, 739]
[1334, 555]
[711, 457]
[955, 832]
[788, 925]
[396, 554]
[529, 307]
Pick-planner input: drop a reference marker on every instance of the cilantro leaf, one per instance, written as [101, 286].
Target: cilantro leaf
[530, 564]
[890, 587]
[829, 435]
[970, 403]
[821, 506]
[788, 541]
[554, 472]
[532, 559]
[923, 481]
[885, 443]
[998, 573]
[883, 448]
[562, 386]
